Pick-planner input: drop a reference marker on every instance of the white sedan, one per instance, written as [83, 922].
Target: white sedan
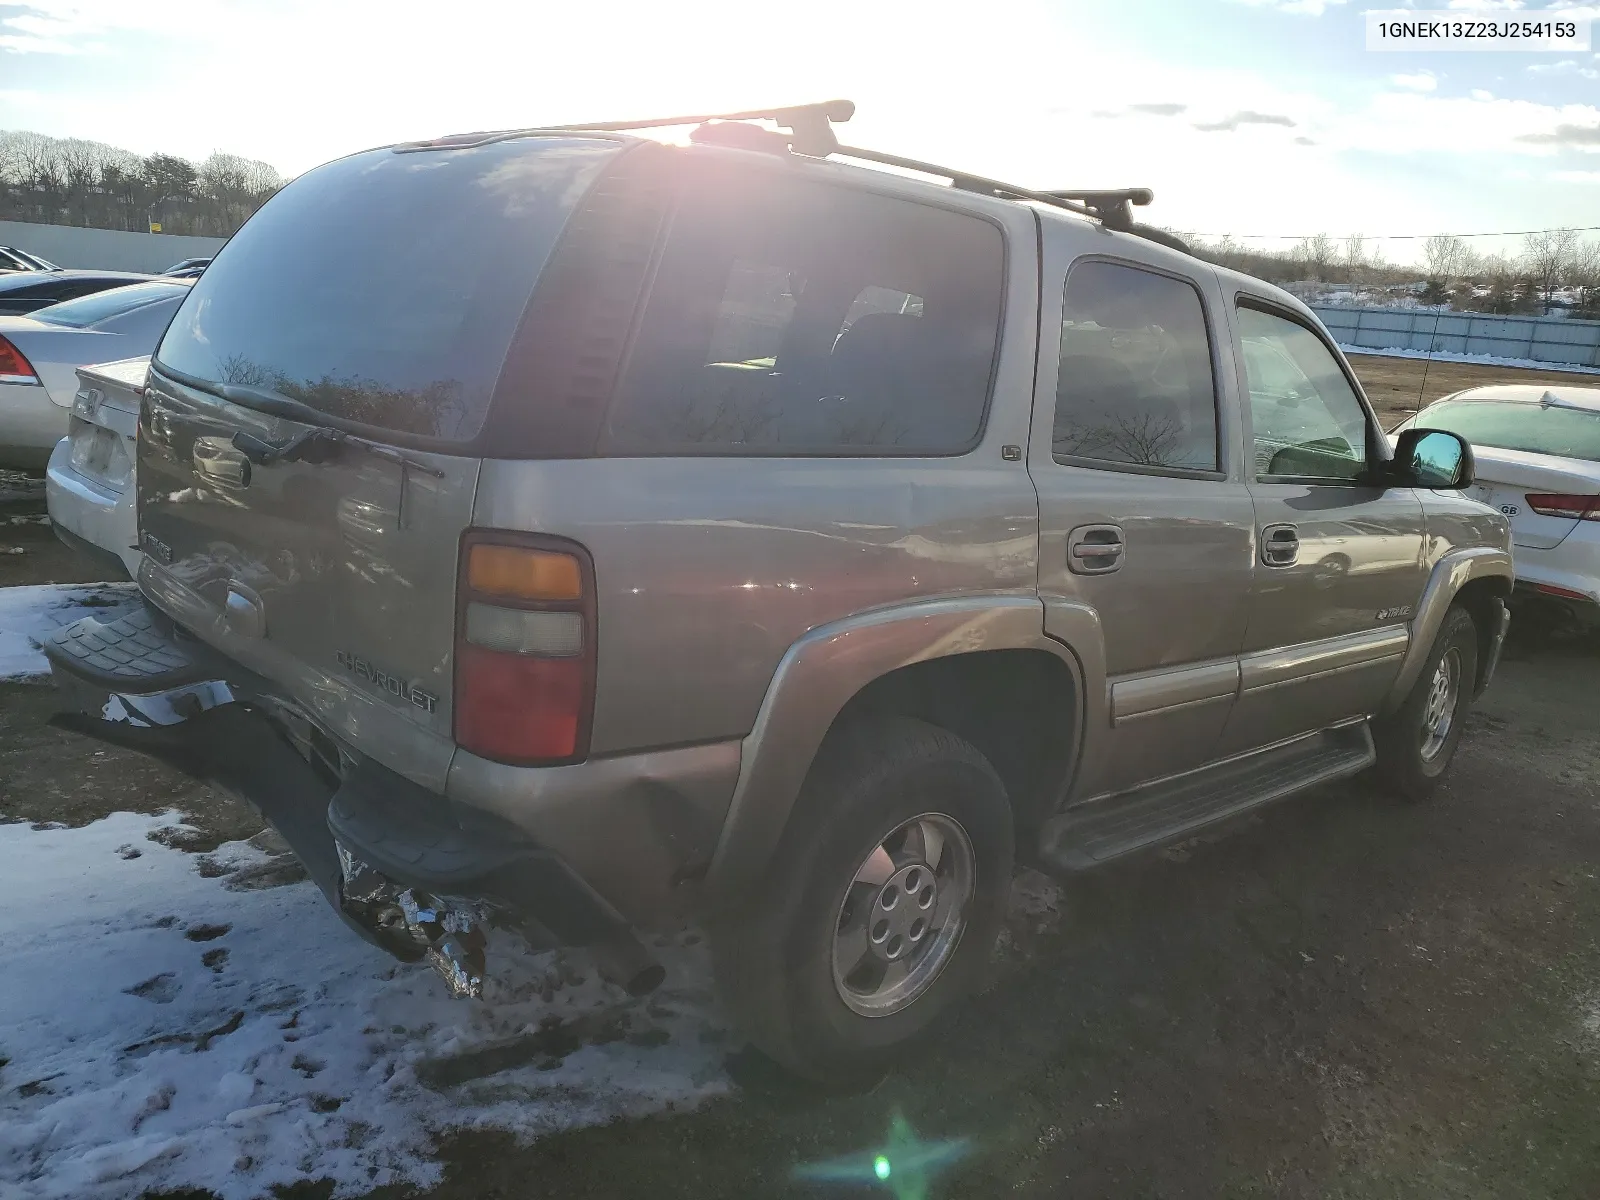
[40, 355]
[1538, 461]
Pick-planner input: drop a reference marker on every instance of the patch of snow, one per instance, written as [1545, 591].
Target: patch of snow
[15, 486]
[28, 615]
[1485, 360]
[286, 1048]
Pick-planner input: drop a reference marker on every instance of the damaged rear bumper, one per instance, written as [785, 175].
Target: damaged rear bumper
[405, 868]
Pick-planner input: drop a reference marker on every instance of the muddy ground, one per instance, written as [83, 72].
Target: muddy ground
[1342, 997]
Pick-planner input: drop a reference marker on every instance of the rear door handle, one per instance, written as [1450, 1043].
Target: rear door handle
[1280, 545]
[1094, 549]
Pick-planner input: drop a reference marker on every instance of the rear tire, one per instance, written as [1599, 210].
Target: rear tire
[1417, 742]
[880, 908]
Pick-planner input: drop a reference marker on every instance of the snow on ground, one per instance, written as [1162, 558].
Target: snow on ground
[1482, 360]
[160, 1028]
[28, 615]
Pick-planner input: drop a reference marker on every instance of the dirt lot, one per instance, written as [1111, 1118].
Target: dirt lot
[1339, 998]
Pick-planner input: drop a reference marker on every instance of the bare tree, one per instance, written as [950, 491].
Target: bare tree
[1584, 275]
[1354, 258]
[1318, 253]
[1446, 257]
[1548, 257]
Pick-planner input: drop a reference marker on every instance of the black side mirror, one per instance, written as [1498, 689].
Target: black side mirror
[1433, 458]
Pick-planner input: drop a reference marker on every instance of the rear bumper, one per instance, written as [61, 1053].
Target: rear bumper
[138, 682]
[103, 522]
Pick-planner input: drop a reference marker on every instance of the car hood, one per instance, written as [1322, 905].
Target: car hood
[57, 351]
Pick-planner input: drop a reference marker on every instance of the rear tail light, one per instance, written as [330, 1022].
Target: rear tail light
[1576, 508]
[525, 652]
[14, 366]
[1550, 589]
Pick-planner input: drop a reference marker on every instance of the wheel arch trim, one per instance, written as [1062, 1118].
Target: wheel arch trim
[1450, 574]
[820, 674]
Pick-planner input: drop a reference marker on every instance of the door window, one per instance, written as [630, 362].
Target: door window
[795, 318]
[1308, 421]
[1135, 384]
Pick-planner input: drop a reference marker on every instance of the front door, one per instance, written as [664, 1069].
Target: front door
[1146, 525]
[1340, 557]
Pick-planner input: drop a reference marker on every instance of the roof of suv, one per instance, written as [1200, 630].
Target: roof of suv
[814, 149]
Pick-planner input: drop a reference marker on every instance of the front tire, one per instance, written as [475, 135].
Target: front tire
[1417, 742]
[881, 907]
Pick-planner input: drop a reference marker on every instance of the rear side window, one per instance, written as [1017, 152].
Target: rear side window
[1135, 385]
[385, 288]
[794, 318]
[1557, 429]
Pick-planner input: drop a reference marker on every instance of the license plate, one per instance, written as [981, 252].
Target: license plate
[91, 451]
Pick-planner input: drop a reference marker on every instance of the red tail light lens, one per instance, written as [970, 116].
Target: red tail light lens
[1576, 508]
[525, 654]
[14, 367]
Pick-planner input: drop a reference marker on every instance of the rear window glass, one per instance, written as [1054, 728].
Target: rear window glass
[101, 306]
[1535, 428]
[385, 288]
[798, 318]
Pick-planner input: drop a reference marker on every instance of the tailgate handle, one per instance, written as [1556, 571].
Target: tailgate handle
[216, 461]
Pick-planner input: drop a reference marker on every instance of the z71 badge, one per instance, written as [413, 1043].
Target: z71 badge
[393, 684]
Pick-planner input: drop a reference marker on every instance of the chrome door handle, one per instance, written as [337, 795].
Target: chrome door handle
[1280, 545]
[1094, 549]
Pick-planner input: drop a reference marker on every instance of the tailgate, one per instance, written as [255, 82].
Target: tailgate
[317, 413]
[334, 579]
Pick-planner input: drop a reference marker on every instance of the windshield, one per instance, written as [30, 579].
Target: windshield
[1535, 428]
[384, 288]
[102, 306]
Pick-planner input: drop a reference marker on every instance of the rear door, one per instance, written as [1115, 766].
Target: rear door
[1340, 565]
[332, 571]
[1144, 514]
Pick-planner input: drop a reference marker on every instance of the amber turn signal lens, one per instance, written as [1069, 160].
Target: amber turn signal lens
[523, 574]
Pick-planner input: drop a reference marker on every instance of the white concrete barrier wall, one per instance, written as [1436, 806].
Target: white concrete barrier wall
[1553, 340]
[105, 249]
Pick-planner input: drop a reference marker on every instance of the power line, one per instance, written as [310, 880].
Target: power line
[1399, 237]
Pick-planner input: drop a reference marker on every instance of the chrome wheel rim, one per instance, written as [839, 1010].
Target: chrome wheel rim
[1439, 714]
[902, 915]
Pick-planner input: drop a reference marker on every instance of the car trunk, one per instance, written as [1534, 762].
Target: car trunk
[1505, 479]
[314, 426]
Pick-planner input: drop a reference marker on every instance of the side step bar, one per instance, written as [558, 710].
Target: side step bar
[1176, 808]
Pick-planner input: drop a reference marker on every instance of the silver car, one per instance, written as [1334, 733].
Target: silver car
[40, 354]
[741, 531]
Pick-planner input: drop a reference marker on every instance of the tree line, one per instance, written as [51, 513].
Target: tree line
[1553, 272]
[72, 181]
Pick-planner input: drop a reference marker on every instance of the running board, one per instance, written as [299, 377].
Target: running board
[1176, 808]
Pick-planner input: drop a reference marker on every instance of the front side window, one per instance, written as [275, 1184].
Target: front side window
[1308, 421]
[1135, 385]
[794, 318]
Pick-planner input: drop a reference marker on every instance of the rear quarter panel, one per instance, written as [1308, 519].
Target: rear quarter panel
[708, 569]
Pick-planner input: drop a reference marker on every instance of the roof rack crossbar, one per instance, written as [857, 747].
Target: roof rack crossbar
[811, 124]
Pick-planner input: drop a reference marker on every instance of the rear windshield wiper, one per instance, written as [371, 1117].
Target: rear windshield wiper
[318, 444]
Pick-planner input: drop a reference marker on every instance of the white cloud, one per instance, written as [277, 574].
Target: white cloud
[1422, 81]
[1576, 176]
[1567, 66]
[1482, 96]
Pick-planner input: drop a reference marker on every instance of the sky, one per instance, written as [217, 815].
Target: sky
[1264, 119]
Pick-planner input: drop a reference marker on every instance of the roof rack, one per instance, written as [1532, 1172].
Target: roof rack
[812, 134]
